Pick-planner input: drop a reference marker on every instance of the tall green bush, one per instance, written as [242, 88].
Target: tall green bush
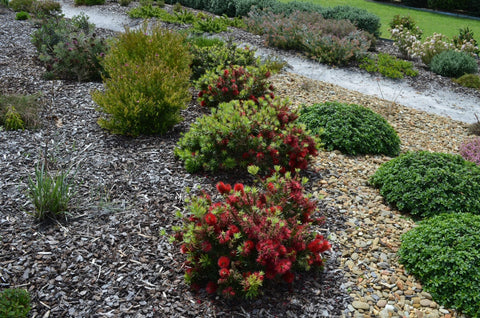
[148, 82]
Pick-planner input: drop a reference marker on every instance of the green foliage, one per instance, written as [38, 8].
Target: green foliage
[21, 5]
[210, 25]
[416, 3]
[361, 18]
[464, 35]
[148, 83]
[50, 192]
[46, 8]
[19, 111]
[443, 252]
[352, 129]
[14, 303]
[70, 49]
[150, 11]
[221, 7]
[469, 80]
[407, 22]
[453, 64]
[125, 3]
[425, 184]
[243, 7]
[22, 15]
[241, 133]
[89, 2]
[388, 66]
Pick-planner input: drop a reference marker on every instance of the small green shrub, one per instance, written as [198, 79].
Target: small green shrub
[22, 15]
[148, 83]
[443, 252]
[241, 133]
[233, 83]
[210, 25]
[19, 111]
[150, 11]
[21, 5]
[243, 7]
[453, 64]
[388, 66]
[425, 184]
[469, 80]
[177, 7]
[352, 129]
[13, 120]
[46, 8]
[125, 3]
[221, 7]
[89, 2]
[14, 303]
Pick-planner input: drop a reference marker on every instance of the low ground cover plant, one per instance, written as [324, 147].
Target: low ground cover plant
[388, 66]
[19, 111]
[443, 253]
[352, 129]
[242, 133]
[14, 303]
[70, 49]
[233, 83]
[469, 80]
[148, 82]
[253, 237]
[426, 184]
[470, 150]
[453, 64]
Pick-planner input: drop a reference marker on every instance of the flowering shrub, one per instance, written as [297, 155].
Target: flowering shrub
[433, 45]
[242, 133]
[233, 83]
[404, 39]
[471, 150]
[254, 235]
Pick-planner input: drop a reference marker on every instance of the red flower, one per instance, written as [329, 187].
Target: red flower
[211, 287]
[183, 249]
[206, 247]
[319, 245]
[200, 94]
[233, 229]
[288, 277]
[224, 272]
[223, 188]
[203, 103]
[223, 262]
[210, 218]
[283, 266]
[238, 187]
[225, 72]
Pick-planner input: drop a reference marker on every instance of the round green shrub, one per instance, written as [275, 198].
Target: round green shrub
[426, 184]
[469, 80]
[14, 303]
[453, 64]
[22, 15]
[352, 129]
[444, 253]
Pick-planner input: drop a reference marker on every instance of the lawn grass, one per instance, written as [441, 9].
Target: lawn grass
[428, 22]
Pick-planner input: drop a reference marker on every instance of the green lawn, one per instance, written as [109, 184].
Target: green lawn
[428, 22]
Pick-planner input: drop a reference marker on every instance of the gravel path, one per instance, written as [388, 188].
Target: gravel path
[108, 259]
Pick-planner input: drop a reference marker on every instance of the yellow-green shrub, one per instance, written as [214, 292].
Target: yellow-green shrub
[148, 82]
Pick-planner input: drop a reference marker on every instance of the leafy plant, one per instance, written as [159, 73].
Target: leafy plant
[13, 120]
[148, 82]
[361, 18]
[19, 111]
[210, 25]
[242, 133]
[352, 129]
[46, 8]
[425, 184]
[470, 150]
[469, 80]
[89, 2]
[388, 66]
[22, 15]
[50, 193]
[443, 253]
[125, 3]
[405, 34]
[233, 83]
[150, 11]
[253, 236]
[21, 5]
[14, 303]
[453, 64]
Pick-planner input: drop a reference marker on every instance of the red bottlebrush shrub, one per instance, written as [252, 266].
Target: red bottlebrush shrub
[242, 133]
[233, 83]
[254, 235]
[471, 150]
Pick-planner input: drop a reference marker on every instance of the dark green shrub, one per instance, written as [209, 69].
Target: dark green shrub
[125, 3]
[416, 3]
[14, 303]
[148, 83]
[89, 2]
[453, 64]
[243, 7]
[21, 5]
[361, 18]
[425, 184]
[221, 7]
[352, 129]
[22, 15]
[448, 5]
[195, 4]
[241, 133]
[444, 254]
[388, 66]
[469, 80]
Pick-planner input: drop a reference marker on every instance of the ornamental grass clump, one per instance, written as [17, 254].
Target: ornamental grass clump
[148, 82]
[242, 133]
[253, 237]
[426, 184]
[352, 129]
[443, 252]
[470, 150]
[234, 83]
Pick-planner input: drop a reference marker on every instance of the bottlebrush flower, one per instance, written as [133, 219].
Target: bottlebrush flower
[211, 287]
[223, 262]
[238, 188]
[224, 188]
[319, 245]
[224, 272]
[210, 218]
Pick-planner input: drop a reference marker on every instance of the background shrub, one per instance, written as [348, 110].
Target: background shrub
[241, 133]
[444, 253]
[148, 83]
[416, 3]
[46, 8]
[21, 5]
[427, 184]
[469, 80]
[453, 64]
[470, 150]
[361, 18]
[89, 2]
[14, 303]
[352, 129]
